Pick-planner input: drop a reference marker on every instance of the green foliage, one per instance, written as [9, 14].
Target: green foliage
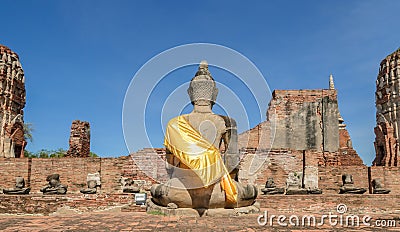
[58, 153]
[29, 154]
[28, 129]
[46, 153]
[92, 154]
[156, 213]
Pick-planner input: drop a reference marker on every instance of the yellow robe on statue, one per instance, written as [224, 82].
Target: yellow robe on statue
[199, 155]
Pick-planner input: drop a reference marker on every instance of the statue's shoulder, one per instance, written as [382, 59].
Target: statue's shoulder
[229, 122]
[177, 118]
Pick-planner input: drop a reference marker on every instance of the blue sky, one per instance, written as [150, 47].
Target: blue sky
[80, 56]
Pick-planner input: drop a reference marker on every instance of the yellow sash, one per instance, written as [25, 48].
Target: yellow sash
[199, 155]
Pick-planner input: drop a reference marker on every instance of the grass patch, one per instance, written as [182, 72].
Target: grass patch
[154, 212]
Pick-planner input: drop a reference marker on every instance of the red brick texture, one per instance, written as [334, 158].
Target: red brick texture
[285, 104]
[12, 102]
[79, 140]
[47, 204]
[73, 172]
[387, 103]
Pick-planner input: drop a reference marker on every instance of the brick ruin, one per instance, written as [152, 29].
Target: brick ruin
[304, 133]
[79, 140]
[387, 101]
[300, 120]
[12, 102]
[304, 120]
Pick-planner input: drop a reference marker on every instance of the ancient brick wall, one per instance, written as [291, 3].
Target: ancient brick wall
[366, 204]
[324, 169]
[73, 172]
[11, 168]
[12, 102]
[294, 120]
[79, 140]
[71, 203]
[304, 120]
[389, 177]
[287, 205]
[112, 169]
[344, 157]
[251, 138]
[255, 168]
[330, 177]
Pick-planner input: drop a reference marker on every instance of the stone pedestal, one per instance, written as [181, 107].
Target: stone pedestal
[201, 212]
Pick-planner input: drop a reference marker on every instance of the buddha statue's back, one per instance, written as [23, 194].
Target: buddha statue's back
[215, 186]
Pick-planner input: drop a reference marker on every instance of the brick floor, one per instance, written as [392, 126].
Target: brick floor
[141, 221]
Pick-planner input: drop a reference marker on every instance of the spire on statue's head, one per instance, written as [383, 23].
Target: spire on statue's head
[202, 86]
[203, 72]
[203, 64]
[331, 84]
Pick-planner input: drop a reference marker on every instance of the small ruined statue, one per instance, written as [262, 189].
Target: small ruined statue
[93, 181]
[54, 186]
[348, 186]
[129, 185]
[293, 185]
[270, 188]
[19, 187]
[91, 189]
[202, 155]
[314, 191]
[377, 187]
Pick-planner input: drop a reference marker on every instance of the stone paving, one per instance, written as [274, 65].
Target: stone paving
[141, 221]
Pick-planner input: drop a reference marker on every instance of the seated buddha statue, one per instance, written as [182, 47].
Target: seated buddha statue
[19, 187]
[378, 188]
[54, 186]
[270, 187]
[202, 155]
[348, 186]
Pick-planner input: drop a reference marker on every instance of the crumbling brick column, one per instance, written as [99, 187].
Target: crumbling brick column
[387, 111]
[12, 102]
[79, 140]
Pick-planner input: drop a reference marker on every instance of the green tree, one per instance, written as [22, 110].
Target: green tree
[58, 153]
[92, 154]
[29, 154]
[28, 129]
[43, 153]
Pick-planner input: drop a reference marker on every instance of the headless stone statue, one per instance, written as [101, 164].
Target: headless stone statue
[91, 189]
[270, 188]
[293, 185]
[93, 181]
[54, 186]
[19, 187]
[129, 186]
[348, 186]
[377, 187]
[186, 188]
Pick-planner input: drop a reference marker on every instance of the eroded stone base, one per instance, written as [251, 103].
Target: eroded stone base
[152, 208]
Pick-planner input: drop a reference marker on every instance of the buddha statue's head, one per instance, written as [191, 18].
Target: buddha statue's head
[202, 88]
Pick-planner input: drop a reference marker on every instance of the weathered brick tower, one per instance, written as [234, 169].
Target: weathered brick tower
[79, 140]
[12, 102]
[305, 120]
[387, 111]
